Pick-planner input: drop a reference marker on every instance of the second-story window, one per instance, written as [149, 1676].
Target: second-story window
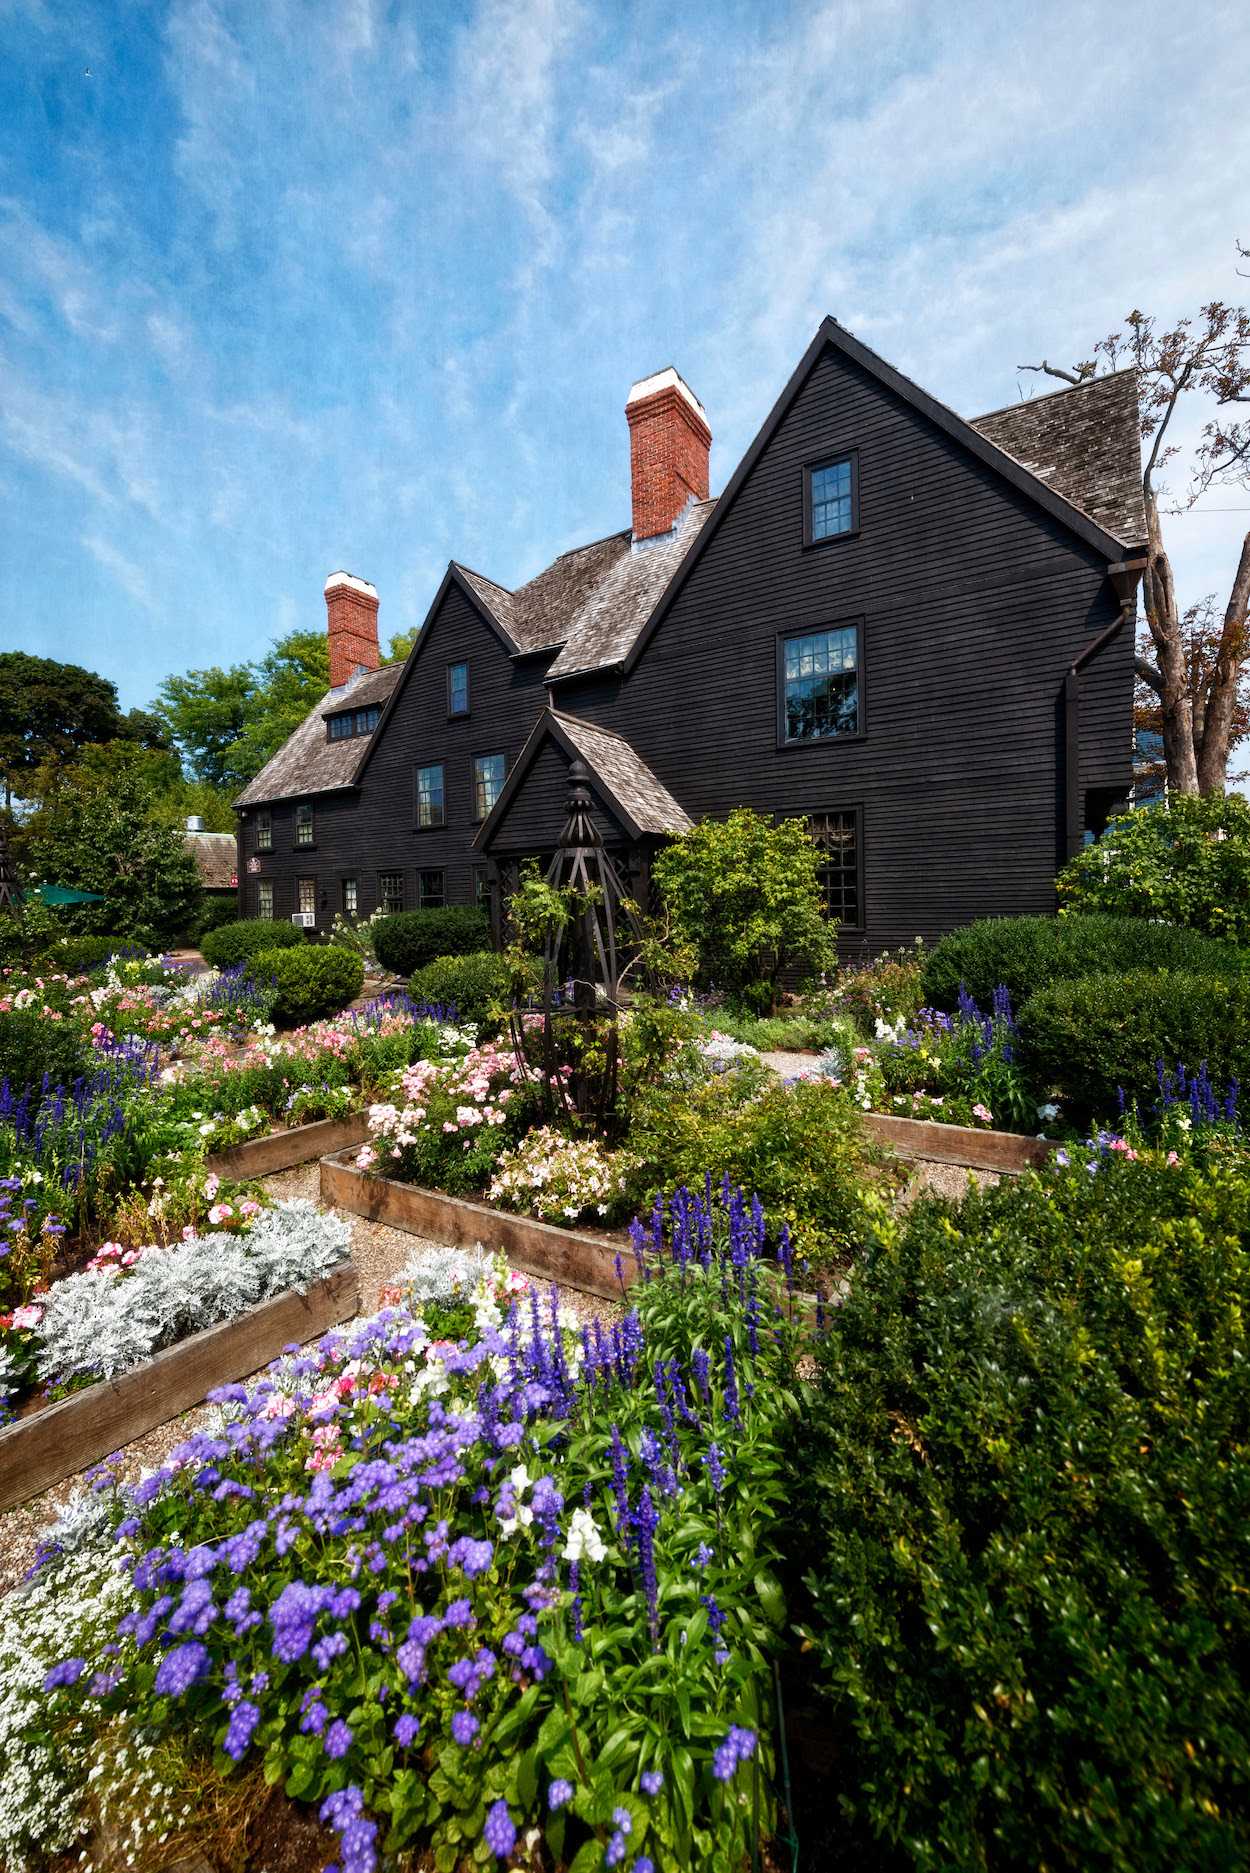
[303, 824]
[457, 689]
[431, 810]
[831, 500]
[264, 831]
[488, 772]
[819, 684]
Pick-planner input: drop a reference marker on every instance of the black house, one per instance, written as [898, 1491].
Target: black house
[914, 631]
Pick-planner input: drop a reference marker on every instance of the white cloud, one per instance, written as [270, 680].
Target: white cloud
[132, 578]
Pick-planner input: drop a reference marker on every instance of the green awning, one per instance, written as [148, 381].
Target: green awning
[65, 894]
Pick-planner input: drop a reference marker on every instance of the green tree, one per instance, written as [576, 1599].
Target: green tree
[48, 711]
[401, 644]
[1185, 860]
[228, 723]
[745, 894]
[97, 827]
[204, 713]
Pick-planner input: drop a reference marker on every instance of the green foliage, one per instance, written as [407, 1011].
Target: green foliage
[215, 911]
[236, 942]
[227, 723]
[31, 1045]
[101, 832]
[80, 955]
[479, 986]
[800, 1148]
[1088, 1039]
[794, 1030]
[409, 939]
[744, 894]
[1023, 1492]
[48, 711]
[1187, 858]
[29, 931]
[889, 986]
[311, 982]
[1026, 953]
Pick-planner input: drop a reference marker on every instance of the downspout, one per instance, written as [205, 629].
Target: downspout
[1125, 576]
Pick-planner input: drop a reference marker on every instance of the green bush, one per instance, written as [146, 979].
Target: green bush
[311, 982]
[476, 986]
[31, 1045]
[412, 938]
[1023, 1488]
[743, 895]
[1028, 953]
[801, 1149]
[214, 911]
[79, 955]
[238, 942]
[1187, 858]
[1085, 1040]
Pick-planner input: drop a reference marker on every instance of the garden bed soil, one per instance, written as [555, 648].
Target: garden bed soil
[282, 1151]
[572, 1258]
[59, 1440]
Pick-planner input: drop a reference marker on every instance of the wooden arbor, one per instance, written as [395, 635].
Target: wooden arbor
[582, 966]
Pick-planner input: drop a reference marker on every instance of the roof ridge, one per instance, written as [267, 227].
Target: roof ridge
[1048, 396]
[485, 577]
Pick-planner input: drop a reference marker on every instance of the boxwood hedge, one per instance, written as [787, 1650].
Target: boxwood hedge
[311, 982]
[1028, 953]
[233, 943]
[410, 939]
[1025, 1485]
[474, 985]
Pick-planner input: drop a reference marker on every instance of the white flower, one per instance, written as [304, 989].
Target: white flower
[1049, 1111]
[585, 1543]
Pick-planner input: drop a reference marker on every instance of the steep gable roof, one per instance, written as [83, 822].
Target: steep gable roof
[617, 607]
[642, 803]
[1085, 442]
[308, 761]
[216, 858]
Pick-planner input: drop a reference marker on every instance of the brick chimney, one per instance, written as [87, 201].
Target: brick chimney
[352, 623]
[669, 445]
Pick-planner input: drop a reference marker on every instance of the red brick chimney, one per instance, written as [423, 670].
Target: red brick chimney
[352, 623]
[669, 445]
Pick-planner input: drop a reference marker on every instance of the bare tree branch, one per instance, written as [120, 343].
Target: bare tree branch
[1079, 376]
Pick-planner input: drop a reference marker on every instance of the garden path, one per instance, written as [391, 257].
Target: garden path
[379, 1254]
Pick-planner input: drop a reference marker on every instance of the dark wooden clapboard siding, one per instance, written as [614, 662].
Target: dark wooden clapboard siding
[974, 602]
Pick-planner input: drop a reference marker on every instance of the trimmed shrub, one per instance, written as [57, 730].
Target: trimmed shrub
[1022, 1487]
[1186, 858]
[409, 939]
[246, 937]
[1088, 1039]
[31, 1045]
[1028, 953]
[311, 982]
[79, 955]
[473, 985]
[214, 911]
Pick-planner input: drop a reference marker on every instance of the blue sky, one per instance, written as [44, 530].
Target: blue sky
[288, 285]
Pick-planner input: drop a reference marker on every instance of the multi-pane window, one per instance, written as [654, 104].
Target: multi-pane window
[457, 689]
[820, 684]
[264, 898]
[831, 499]
[351, 897]
[431, 810]
[836, 837]
[391, 891]
[488, 770]
[303, 824]
[481, 888]
[306, 891]
[264, 831]
[430, 894]
[352, 722]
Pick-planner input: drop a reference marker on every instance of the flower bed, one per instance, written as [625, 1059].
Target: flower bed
[449, 1594]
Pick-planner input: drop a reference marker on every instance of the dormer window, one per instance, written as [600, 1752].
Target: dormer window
[351, 722]
[830, 499]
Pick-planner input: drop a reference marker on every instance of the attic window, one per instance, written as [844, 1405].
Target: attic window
[830, 499]
[352, 722]
[457, 689]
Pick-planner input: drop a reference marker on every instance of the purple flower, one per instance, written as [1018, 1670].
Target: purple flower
[464, 1727]
[407, 1729]
[180, 1668]
[738, 1745]
[643, 1864]
[715, 1468]
[624, 1820]
[614, 1852]
[702, 1555]
[338, 1739]
[240, 1730]
[499, 1832]
[559, 1794]
[68, 1672]
[652, 1781]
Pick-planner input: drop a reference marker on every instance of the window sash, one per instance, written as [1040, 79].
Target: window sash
[306, 890]
[351, 897]
[457, 689]
[264, 832]
[303, 825]
[391, 891]
[820, 684]
[264, 899]
[837, 835]
[431, 796]
[831, 498]
[488, 779]
[430, 892]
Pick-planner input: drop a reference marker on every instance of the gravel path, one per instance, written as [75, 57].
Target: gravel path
[379, 1254]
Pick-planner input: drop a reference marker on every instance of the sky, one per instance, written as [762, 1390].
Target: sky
[294, 285]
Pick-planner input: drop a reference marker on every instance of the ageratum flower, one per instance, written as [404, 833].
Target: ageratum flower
[559, 1794]
[68, 1672]
[652, 1781]
[180, 1668]
[738, 1747]
[499, 1832]
[240, 1730]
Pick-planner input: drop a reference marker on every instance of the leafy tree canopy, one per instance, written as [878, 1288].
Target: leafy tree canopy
[1185, 860]
[744, 893]
[48, 711]
[227, 723]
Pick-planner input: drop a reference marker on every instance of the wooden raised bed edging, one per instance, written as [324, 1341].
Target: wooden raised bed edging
[64, 1438]
[1009, 1152]
[282, 1151]
[566, 1256]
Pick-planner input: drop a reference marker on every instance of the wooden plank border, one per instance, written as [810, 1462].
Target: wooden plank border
[567, 1256]
[282, 1151]
[62, 1439]
[1008, 1152]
